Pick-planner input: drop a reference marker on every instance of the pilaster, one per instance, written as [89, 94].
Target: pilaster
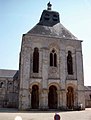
[62, 68]
[80, 78]
[44, 99]
[24, 79]
[63, 99]
[79, 63]
[44, 68]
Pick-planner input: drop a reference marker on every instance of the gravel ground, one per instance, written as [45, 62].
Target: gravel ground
[11, 114]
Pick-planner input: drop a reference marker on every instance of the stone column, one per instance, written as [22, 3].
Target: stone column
[63, 77]
[44, 99]
[60, 101]
[40, 63]
[30, 92]
[80, 77]
[24, 79]
[59, 98]
[45, 67]
[63, 99]
[45, 77]
[62, 68]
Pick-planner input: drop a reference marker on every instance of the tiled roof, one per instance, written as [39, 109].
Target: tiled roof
[87, 87]
[57, 30]
[7, 73]
[49, 25]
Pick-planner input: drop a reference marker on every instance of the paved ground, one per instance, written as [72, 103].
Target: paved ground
[10, 114]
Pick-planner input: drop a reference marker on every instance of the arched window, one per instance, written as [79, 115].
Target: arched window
[36, 60]
[53, 58]
[69, 63]
[35, 97]
[52, 97]
[70, 97]
[1, 84]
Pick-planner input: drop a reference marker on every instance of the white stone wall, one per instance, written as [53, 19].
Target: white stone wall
[47, 75]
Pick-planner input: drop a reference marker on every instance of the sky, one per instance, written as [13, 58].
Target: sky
[19, 16]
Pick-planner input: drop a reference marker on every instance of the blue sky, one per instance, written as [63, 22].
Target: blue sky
[19, 16]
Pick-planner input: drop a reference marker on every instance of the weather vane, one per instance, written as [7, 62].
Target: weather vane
[49, 6]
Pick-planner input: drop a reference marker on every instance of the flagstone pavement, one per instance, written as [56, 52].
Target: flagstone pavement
[11, 114]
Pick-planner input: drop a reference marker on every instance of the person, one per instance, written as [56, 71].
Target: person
[57, 116]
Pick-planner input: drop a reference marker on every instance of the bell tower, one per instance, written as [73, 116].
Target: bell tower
[51, 69]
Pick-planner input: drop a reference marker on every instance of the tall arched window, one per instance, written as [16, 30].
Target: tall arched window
[36, 60]
[69, 63]
[53, 58]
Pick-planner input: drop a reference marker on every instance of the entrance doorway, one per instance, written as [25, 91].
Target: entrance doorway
[52, 97]
[35, 97]
[70, 97]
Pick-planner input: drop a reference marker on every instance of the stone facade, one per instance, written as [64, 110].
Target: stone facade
[9, 89]
[50, 72]
[88, 96]
[55, 87]
[51, 76]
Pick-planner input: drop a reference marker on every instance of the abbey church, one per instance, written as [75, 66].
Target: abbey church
[50, 74]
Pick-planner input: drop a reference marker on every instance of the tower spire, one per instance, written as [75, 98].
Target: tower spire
[49, 6]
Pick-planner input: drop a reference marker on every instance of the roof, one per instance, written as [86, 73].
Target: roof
[16, 75]
[58, 30]
[7, 73]
[49, 25]
[87, 88]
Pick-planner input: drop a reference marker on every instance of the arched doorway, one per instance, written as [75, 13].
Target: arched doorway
[70, 98]
[52, 97]
[35, 97]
